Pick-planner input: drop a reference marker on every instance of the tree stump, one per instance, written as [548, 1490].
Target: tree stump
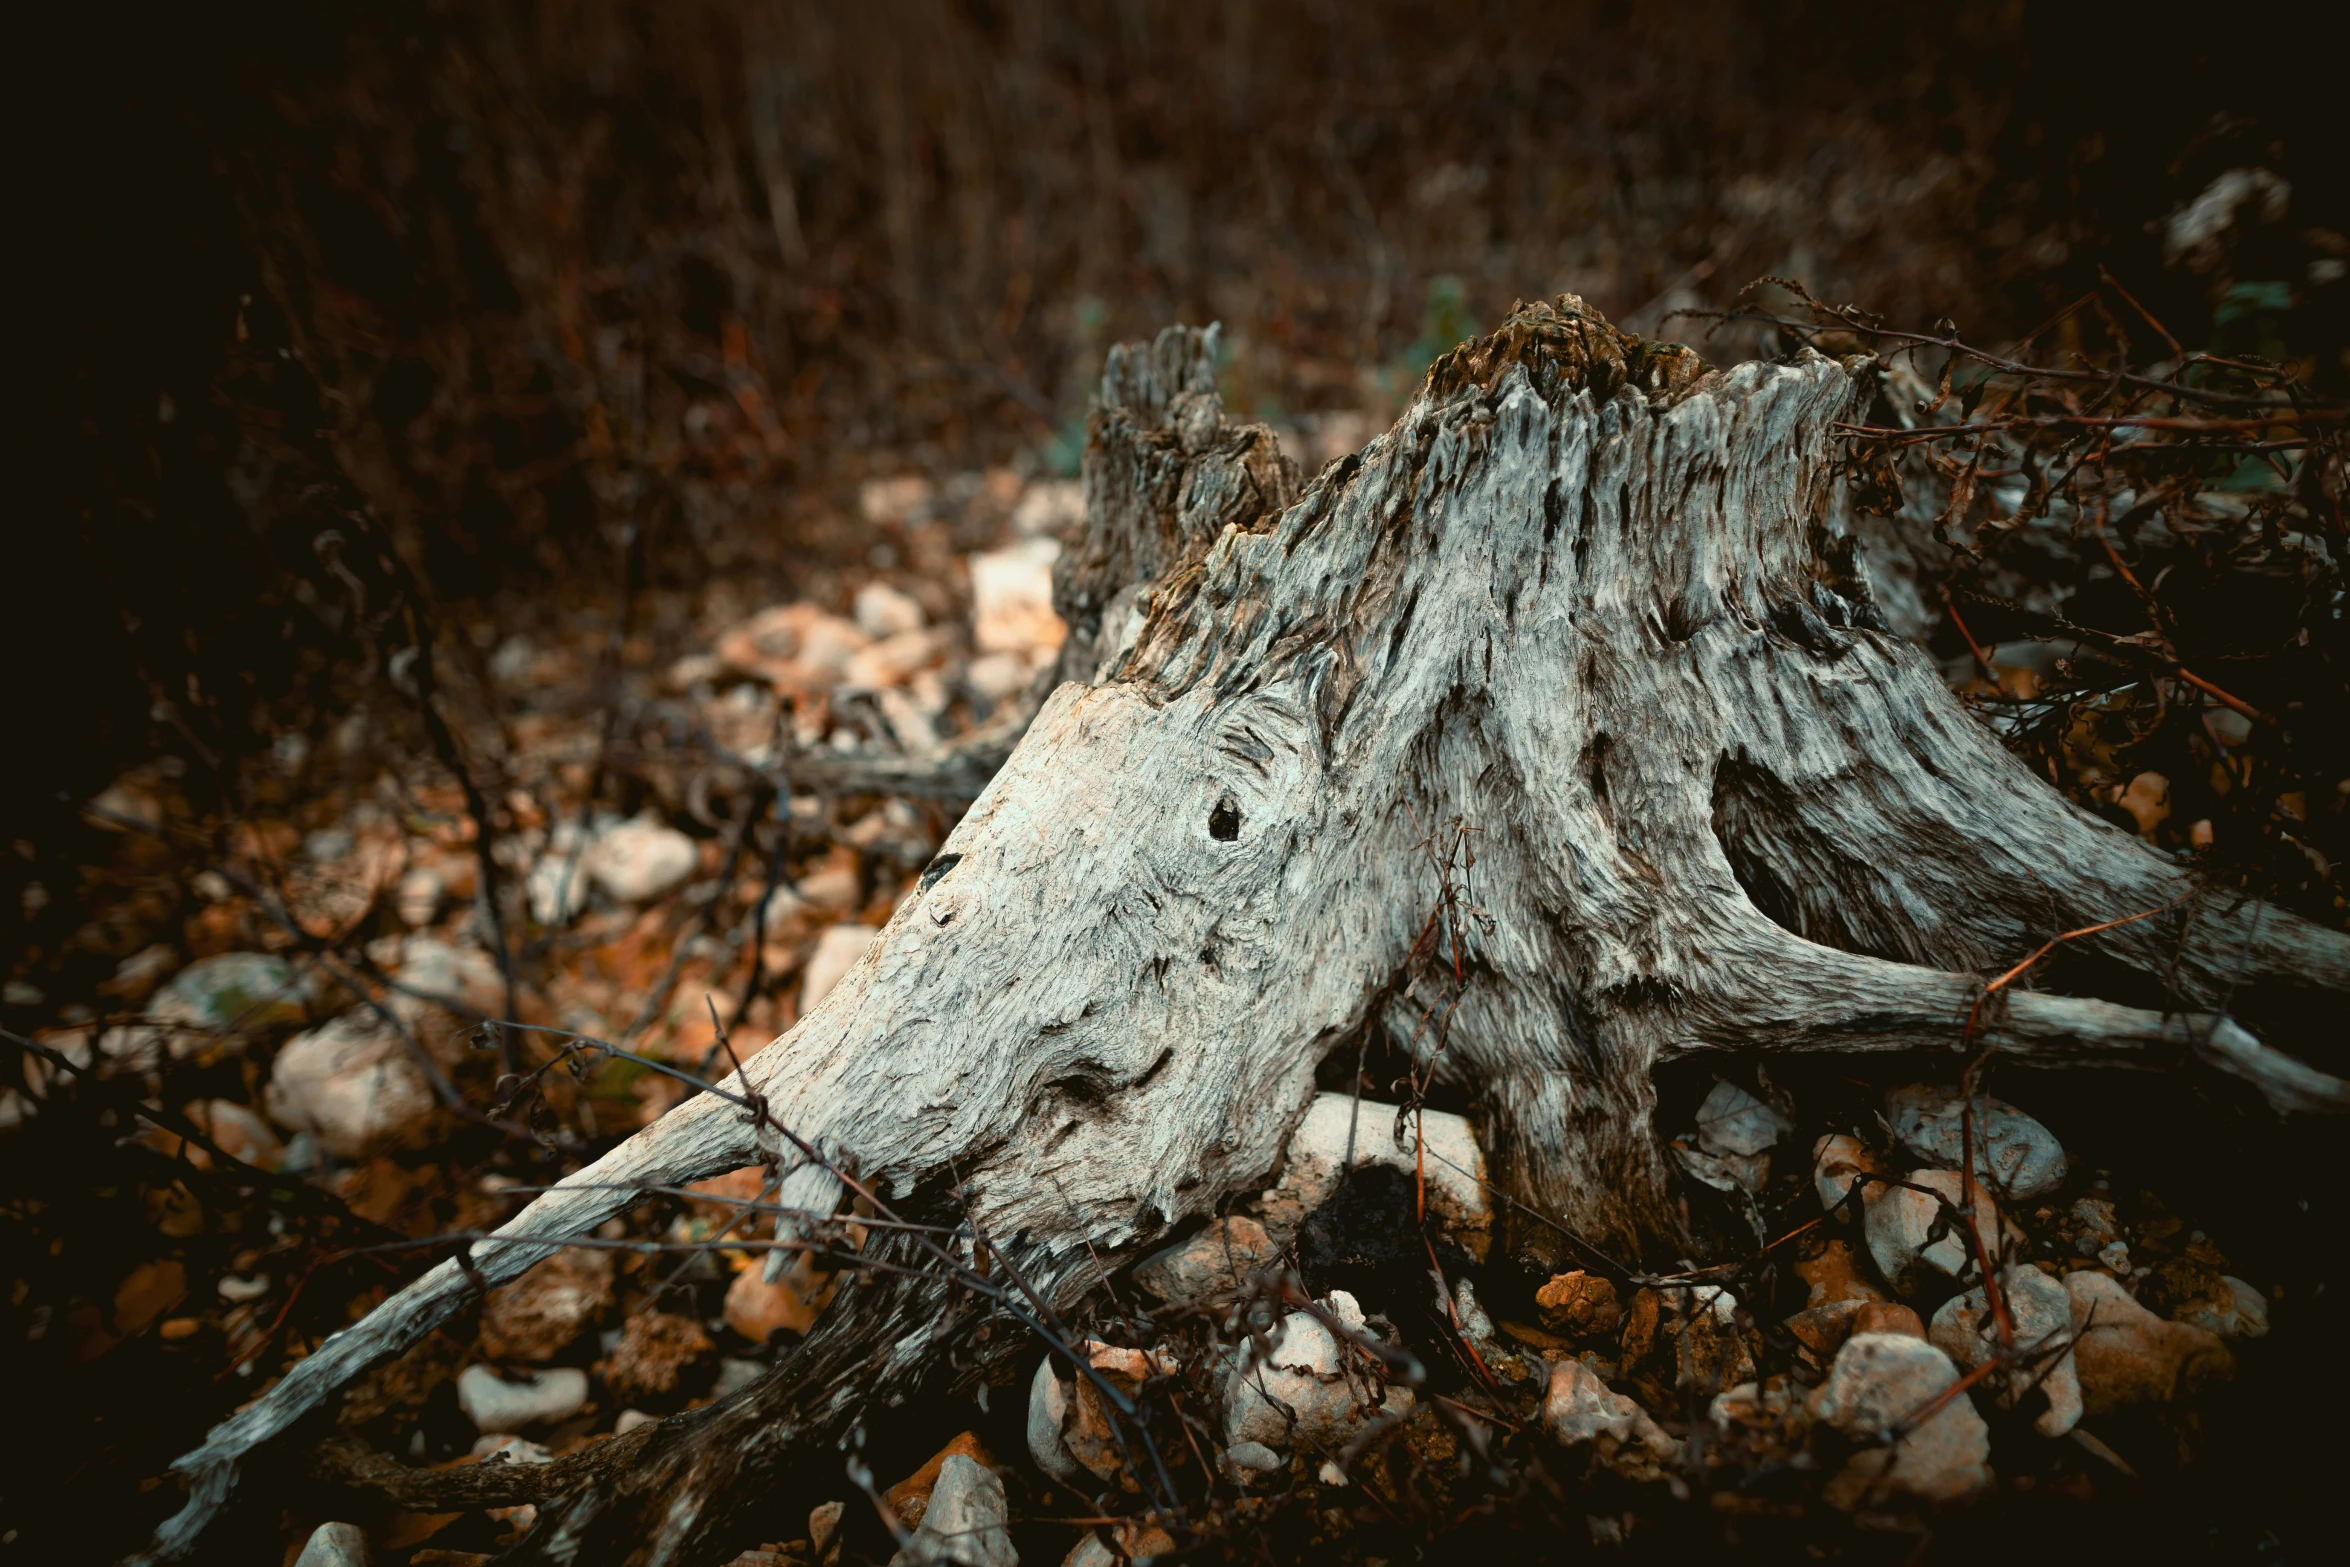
[1555, 734]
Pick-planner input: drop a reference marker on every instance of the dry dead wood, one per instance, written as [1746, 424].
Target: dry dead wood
[1583, 604]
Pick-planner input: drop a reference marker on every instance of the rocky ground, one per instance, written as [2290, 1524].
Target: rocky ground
[290, 1048]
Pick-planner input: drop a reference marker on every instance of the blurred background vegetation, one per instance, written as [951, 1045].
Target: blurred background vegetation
[534, 300]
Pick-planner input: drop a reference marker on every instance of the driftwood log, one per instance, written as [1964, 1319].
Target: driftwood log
[1583, 610]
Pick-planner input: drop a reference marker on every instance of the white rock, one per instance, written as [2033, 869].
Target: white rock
[637, 861]
[1752, 1403]
[1735, 1133]
[210, 1000]
[884, 611]
[418, 898]
[2016, 1154]
[834, 886]
[892, 661]
[630, 1419]
[2248, 1319]
[1838, 1163]
[235, 989]
[537, 1398]
[493, 1447]
[1733, 1121]
[797, 647]
[1306, 1376]
[1901, 1224]
[1012, 597]
[1579, 1408]
[238, 1130]
[1967, 1331]
[1470, 1312]
[1211, 1266]
[1880, 1384]
[1455, 1165]
[735, 1374]
[2099, 1228]
[837, 951]
[908, 724]
[1255, 1457]
[1050, 507]
[464, 979]
[335, 1545]
[1048, 1413]
[965, 1522]
[237, 1288]
[1725, 1172]
[995, 676]
[351, 1084]
[556, 885]
[783, 906]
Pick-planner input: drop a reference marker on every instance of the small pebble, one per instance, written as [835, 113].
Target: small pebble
[537, 1398]
[334, 1545]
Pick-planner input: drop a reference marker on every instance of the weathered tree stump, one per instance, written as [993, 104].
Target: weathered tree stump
[1582, 605]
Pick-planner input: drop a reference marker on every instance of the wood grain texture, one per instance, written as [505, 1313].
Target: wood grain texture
[1583, 600]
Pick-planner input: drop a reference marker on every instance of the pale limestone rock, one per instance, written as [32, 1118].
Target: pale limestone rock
[2249, 1319]
[544, 1310]
[1902, 1225]
[793, 647]
[212, 1000]
[1254, 1457]
[417, 899]
[1048, 1414]
[1012, 597]
[1211, 1266]
[233, 990]
[464, 978]
[1733, 1121]
[239, 1131]
[832, 887]
[1878, 1387]
[884, 611]
[638, 861]
[536, 1398]
[1967, 1331]
[2128, 1356]
[995, 676]
[2018, 1156]
[1454, 1166]
[1049, 507]
[965, 1522]
[335, 1545]
[557, 883]
[1579, 1408]
[837, 951]
[1307, 1376]
[352, 1084]
[1839, 1162]
[735, 1374]
[493, 1447]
